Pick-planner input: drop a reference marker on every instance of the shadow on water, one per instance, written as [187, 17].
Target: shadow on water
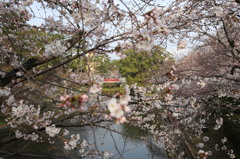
[119, 145]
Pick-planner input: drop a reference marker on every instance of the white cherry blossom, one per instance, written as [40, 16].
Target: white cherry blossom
[52, 131]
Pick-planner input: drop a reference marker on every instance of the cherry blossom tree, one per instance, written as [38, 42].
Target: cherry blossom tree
[40, 92]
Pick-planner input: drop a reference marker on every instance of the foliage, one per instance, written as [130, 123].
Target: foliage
[112, 90]
[103, 64]
[141, 67]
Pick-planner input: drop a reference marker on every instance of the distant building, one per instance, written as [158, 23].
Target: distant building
[94, 60]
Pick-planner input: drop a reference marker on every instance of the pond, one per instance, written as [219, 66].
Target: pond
[119, 145]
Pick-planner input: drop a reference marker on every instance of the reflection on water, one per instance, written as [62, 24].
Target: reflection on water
[120, 146]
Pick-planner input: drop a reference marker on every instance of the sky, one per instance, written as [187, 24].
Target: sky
[172, 48]
[39, 12]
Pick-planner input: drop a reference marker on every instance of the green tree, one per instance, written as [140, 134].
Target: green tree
[103, 64]
[141, 67]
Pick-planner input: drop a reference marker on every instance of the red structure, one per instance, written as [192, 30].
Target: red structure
[111, 80]
[114, 80]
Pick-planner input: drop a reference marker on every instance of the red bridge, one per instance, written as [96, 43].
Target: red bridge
[113, 80]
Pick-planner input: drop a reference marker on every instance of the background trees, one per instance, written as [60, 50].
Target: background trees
[143, 68]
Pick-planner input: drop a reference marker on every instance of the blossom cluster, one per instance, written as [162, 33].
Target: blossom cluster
[96, 88]
[74, 102]
[5, 91]
[54, 49]
[72, 143]
[33, 136]
[52, 131]
[181, 45]
[117, 106]
[219, 123]
[145, 38]
[22, 113]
